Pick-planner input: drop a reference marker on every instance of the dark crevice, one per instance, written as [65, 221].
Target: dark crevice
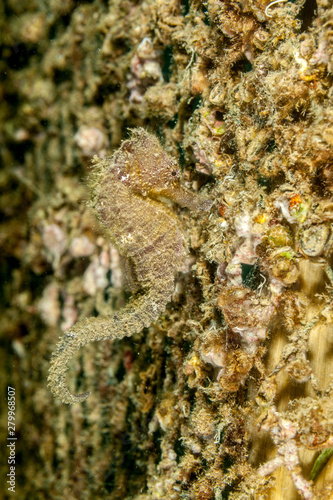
[251, 275]
[168, 63]
[242, 66]
[185, 8]
[19, 56]
[207, 18]
[19, 150]
[307, 14]
[61, 76]
[105, 90]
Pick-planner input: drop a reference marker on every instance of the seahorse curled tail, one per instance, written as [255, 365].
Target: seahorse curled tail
[137, 314]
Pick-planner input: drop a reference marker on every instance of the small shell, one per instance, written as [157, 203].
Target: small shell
[313, 240]
[284, 266]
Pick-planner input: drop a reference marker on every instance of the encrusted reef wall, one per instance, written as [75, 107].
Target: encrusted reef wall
[229, 393]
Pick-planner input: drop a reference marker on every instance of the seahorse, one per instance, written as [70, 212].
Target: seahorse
[129, 197]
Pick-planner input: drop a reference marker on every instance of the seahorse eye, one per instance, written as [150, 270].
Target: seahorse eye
[173, 173]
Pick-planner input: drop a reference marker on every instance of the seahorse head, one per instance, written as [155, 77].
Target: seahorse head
[144, 166]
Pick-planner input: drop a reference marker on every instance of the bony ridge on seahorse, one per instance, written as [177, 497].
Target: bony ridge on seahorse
[128, 191]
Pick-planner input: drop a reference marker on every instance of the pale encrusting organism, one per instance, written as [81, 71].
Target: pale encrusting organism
[128, 190]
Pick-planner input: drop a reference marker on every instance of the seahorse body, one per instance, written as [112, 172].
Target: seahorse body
[128, 191]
